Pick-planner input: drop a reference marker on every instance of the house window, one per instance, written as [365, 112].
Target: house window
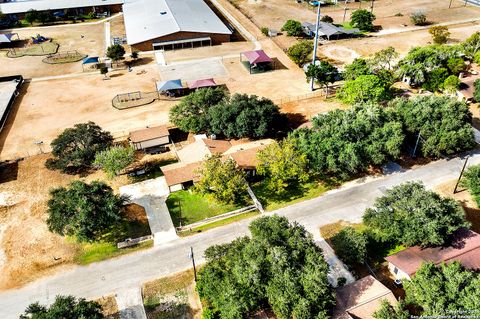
[395, 270]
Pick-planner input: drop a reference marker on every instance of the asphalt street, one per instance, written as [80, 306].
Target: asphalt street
[95, 280]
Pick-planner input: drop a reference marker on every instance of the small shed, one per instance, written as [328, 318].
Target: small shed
[201, 84]
[257, 61]
[150, 138]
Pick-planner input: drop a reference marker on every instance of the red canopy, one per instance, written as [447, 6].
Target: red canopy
[257, 56]
[201, 83]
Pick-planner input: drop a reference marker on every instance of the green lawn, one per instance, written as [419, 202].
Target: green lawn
[187, 207]
[272, 201]
[94, 252]
[106, 247]
[218, 223]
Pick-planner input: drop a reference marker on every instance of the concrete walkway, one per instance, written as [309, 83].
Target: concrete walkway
[130, 304]
[337, 268]
[151, 195]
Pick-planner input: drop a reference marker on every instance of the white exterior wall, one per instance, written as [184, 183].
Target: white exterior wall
[175, 188]
[152, 143]
[399, 274]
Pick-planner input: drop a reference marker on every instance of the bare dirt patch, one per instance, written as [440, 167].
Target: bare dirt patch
[54, 105]
[30, 249]
[109, 307]
[86, 39]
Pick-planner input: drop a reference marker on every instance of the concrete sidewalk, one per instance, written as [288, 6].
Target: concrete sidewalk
[151, 195]
[130, 304]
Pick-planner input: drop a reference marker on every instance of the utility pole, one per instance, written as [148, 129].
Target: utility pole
[371, 6]
[192, 257]
[344, 14]
[461, 174]
[315, 45]
[416, 145]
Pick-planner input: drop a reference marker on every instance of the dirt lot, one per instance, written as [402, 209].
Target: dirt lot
[346, 50]
[23, 193]
[85, 38]
[45, 108]
[274, 13]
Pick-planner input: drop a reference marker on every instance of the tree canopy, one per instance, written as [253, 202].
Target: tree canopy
[86, 211]
[365, 88]
[293, 28]
[74, 150]
[222, 179]
[476, 93]
[64, 307]
[387, 311]
[283, 165]
[358, 67]
[346, 142]
[246, 116]
[408, 214]
[350, 245]
[280, 265]
[115, 52]
[192, 113]
[447, 287]
[301, 52]
[323, 73]
[114, 159]
[443, 123]
[471, 180]
[362, 19]
[471, 46]
[420, 62]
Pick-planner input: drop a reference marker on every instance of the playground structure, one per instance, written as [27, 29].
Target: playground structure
[44, 48]
[64, 57]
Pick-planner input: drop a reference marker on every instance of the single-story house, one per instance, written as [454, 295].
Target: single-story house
[19, 8]
[150, 137]
[184, 174]
[171, 24]
[181, 176]
[465, 248]
[360, 299]
[327, 30]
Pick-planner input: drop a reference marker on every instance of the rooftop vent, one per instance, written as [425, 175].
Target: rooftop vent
[163, 13]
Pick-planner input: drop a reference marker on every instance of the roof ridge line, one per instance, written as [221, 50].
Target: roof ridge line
[174, 18]
[371, 299]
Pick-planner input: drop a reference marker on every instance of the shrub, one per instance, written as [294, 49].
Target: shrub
[341, 281]
[471, 180]
[419, 17]
[114, 159]
[476, 58]
[264, 31]
[451, 84]
[327, 19]
[439, 34]
[293, 28]
[364, 88]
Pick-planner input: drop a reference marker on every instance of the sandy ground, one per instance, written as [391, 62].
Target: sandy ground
[69, 37]
[274, 13]
[45, 108]
[23, 215]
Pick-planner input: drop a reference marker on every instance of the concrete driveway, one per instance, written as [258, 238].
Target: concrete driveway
[151, 195]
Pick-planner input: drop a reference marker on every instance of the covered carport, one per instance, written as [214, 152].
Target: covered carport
[201, 84]
[170, 88]
[257, 61]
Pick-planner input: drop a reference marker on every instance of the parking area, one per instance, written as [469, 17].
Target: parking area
[195, 70]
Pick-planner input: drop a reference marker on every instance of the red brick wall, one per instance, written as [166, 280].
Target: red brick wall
[148, 45]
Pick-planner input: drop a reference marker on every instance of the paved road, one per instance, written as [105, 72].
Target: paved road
[347, 203]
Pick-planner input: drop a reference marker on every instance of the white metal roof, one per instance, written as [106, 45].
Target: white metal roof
[21, 6]
[149, 19]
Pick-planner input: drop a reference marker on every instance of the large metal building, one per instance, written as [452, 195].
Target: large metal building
[170, 24]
